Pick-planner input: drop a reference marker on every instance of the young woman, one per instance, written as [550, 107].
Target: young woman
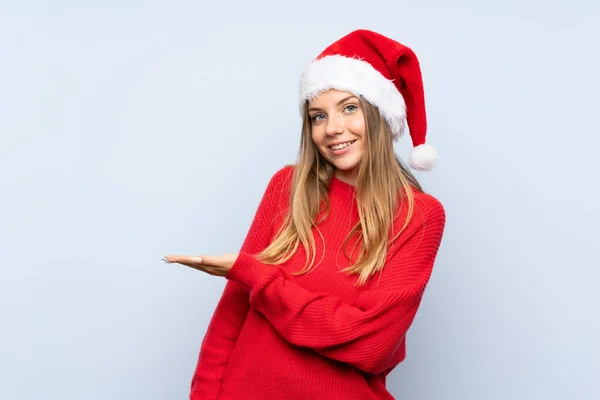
[330, 276]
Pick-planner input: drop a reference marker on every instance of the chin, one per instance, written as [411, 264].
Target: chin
[345, 167]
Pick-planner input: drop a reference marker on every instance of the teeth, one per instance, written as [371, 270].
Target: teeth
[342, 145]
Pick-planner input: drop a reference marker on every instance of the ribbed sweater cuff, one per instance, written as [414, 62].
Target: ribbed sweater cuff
[248, 271]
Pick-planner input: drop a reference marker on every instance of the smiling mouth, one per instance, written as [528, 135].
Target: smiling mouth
[342, 145]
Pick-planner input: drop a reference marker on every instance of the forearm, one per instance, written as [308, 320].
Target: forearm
[363, 334]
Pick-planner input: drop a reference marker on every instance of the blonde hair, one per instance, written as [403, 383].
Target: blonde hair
[383, 185]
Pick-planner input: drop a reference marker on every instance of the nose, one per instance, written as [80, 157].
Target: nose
[334, 125]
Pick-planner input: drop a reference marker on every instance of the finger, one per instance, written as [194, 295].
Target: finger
[183, 259]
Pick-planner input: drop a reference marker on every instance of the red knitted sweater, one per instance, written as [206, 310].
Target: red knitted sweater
[315, 336]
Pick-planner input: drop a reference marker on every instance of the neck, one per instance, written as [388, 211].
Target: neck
[348, 177]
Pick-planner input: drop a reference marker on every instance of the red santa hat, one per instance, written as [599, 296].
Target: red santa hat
[386, 74]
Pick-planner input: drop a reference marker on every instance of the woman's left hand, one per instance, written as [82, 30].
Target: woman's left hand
[212, 265]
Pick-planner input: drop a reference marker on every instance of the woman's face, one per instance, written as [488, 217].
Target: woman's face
[337, 119]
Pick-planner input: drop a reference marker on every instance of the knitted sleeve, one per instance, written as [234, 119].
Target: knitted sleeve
[366, 333]
[231, 311]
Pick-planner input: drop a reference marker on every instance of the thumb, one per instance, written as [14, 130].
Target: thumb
[197, 259]
[213, 261]
[183, 259]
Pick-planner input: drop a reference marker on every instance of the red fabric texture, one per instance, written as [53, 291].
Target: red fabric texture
[315, 336]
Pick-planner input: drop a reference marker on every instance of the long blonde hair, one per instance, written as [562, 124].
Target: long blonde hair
[383, 184]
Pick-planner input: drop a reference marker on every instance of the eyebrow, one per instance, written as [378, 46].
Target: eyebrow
[338, 103]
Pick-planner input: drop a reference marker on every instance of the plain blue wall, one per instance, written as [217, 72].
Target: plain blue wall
[130, 130]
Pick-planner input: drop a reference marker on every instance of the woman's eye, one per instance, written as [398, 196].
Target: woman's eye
[351, 108]
[317, 117]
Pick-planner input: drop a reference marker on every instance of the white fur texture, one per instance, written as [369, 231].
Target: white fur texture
[422, 157]
[359, 78]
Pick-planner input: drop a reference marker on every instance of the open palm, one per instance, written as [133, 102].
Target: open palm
[213, 265]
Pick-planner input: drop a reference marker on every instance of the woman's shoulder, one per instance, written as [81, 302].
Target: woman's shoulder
[427, 202]
[427, 209]
[280, 181]
[282, 178]
[428, 217]
[284, 173]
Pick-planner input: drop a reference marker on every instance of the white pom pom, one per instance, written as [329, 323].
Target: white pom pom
[422, 157]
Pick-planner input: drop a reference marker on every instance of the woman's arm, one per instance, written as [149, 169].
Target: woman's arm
[219, 341]
[232, 309]
[366, 333]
